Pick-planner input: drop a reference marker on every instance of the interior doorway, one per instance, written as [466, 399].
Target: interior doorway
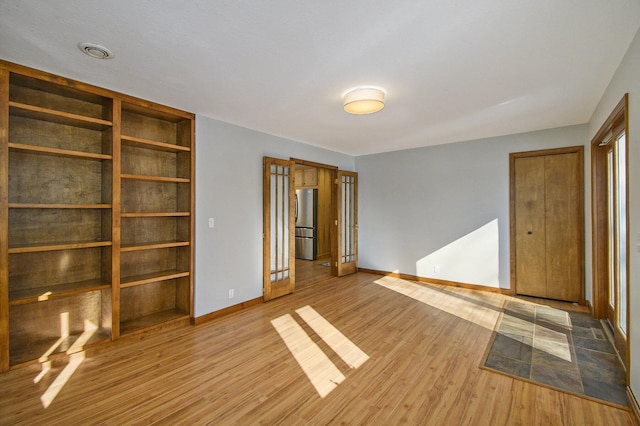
[314, 219]
[331, 236]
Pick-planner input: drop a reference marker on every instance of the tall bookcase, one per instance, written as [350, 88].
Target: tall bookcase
[96, 215]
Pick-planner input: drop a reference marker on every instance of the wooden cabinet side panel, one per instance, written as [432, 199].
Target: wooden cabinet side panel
[114, 142]
[187, 136]
[4, 220]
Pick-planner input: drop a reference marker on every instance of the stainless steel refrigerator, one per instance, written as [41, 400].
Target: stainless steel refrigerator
[306, 214]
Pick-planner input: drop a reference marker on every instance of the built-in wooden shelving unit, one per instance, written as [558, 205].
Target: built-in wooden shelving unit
[96, 215]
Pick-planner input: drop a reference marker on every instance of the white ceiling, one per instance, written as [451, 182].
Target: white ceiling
[453, 70]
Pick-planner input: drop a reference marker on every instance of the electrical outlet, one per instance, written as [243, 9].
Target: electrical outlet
[436, 269]
[230, 293]
[210, 222]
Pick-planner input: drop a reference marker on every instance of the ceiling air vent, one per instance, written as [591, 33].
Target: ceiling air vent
[95, 50]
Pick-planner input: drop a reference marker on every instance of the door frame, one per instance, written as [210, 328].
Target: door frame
[512, 210]
[337, 268]
[619, 117]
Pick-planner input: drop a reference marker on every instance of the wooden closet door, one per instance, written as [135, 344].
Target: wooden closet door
[547, 223]
[563, 259]
[530, 226]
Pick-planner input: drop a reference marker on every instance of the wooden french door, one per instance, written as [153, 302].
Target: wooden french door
[347, 222]
[610, 230]
[547, 223]
[617, 239]
[278, 228]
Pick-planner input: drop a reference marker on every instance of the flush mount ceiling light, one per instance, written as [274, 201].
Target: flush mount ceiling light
[95, 50]
[363, 100]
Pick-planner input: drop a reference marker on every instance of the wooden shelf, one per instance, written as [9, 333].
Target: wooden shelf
[152, 246]
[45, 114]
[151, 278]
[152, 320]
[166, 214]
[149, 144]
[159, 112]
[33, 248]
[162, 179]
[40, 294]
[58, 152]
[57, 206]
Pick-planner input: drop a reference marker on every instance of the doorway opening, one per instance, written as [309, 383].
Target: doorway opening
[314, 221]
[281, 210]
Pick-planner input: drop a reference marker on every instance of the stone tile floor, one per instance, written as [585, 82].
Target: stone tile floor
[565, 350]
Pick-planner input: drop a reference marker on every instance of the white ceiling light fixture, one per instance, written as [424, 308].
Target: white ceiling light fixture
[95, 50]
[363, 100]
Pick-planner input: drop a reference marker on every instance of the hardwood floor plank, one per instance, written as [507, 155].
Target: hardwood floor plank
[422, 368]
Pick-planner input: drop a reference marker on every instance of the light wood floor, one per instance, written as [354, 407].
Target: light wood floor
[422, 344]
[311, 271]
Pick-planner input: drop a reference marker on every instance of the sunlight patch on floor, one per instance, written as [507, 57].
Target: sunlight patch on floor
[352, 355]
[54, 389]
[467, 310]
[321, 371]
[552, 342]
[76, 357]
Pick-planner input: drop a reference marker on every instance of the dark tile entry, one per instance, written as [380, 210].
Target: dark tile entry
[565, 350]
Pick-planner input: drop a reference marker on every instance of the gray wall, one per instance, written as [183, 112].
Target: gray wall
[627, 80]
[229, 189]
[445, 207]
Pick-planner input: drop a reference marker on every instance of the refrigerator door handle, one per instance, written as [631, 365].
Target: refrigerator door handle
[295, 207]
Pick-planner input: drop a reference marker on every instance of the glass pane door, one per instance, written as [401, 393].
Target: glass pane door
[347, 223]
[621, 229]
[617, 239]
[279, 266]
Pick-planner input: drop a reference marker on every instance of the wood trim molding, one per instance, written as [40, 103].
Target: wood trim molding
[633, 402]
[617, 121]
[64, 81]
[301, 162]
[599, 248]
[616, 116]
[505, 291]
[225, 311]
